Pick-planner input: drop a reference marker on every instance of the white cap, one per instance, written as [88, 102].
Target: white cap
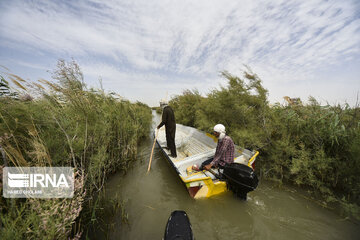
[163, 102]
[219, 128]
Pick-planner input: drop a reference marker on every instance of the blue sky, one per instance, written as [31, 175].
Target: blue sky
[145, 50]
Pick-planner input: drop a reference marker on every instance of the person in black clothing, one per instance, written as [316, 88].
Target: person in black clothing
[168, 118]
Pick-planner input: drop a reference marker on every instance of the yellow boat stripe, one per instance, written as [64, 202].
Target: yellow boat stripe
[252, 159]
[194, 180]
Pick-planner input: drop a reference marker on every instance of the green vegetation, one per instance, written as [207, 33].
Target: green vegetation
[157, 109]
[65, 125]
[313, 146]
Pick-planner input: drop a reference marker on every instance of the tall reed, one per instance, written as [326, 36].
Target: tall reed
[65, 124]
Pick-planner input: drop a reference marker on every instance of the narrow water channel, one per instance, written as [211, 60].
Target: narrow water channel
[269, 213]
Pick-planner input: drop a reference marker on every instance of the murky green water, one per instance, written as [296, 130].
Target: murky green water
[269, 213]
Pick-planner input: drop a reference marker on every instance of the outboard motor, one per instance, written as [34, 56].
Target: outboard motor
[240, 179]
[178, 227]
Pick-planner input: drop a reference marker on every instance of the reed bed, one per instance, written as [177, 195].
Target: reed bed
[63, 123]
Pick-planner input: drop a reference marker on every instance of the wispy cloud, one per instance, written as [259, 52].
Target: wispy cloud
[281, 40]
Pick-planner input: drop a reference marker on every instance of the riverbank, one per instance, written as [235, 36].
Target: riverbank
[65, 124]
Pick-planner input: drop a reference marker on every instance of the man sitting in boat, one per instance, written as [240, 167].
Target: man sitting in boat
[168, 118]
[225, 150]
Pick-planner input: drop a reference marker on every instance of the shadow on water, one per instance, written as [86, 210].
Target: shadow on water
[270, 212]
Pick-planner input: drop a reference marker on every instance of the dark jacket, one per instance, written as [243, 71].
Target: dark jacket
[168, 118]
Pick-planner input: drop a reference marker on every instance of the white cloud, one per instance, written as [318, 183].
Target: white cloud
[283, 41]
[149, 87]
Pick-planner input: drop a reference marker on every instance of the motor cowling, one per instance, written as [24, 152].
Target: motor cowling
[178, 227]
[240, 179]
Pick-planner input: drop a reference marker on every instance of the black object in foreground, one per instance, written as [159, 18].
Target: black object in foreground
[240, 179]
[178, 227]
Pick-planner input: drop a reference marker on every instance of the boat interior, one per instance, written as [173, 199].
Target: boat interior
[194, 147]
